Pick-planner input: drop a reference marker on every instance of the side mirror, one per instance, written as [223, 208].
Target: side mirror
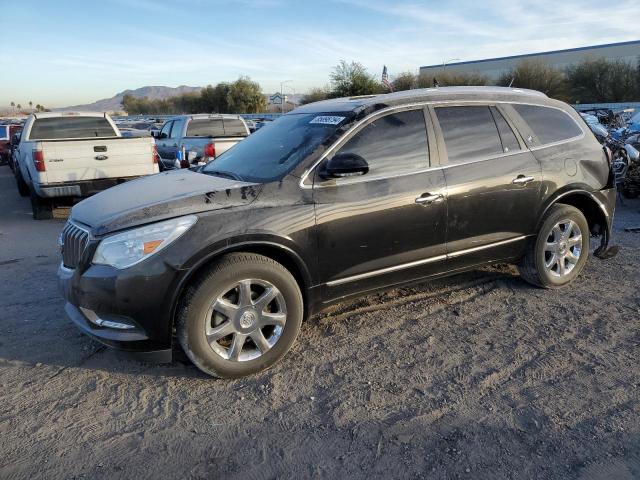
[344, 165]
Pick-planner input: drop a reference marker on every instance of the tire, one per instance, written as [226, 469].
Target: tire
[42, 208]
[221, 285]
[23, 188]
[563, 269]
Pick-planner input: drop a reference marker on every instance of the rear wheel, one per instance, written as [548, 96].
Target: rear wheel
[560, 250]
[42, 208]
[23, 188]
[241, 317]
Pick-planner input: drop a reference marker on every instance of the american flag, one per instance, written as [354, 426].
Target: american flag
[385, 79]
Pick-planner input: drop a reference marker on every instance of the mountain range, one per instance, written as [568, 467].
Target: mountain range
[115, 103]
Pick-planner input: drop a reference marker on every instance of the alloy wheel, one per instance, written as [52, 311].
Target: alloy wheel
[246, 320]
[563, 248]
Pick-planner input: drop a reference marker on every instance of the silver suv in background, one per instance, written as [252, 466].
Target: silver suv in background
[189, 140]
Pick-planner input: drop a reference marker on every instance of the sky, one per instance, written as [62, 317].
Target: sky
[59, 53]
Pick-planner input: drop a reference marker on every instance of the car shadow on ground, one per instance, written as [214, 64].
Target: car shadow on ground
[69, 348]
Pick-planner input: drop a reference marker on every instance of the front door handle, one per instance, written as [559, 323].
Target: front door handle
[522, 180]
[428, 199]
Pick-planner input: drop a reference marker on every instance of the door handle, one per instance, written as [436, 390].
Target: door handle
[522, 180]
[428, 199]
[175, 144]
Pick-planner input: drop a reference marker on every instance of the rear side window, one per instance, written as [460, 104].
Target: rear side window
[216, 127]
[4, 132]
[508, 138]
[70, 127]
[469, 132]
[549, 124]
[392, 145]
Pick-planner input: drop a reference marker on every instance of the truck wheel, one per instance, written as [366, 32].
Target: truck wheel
[240, 317]
[560, 251]
[23, 188]
[42, 208]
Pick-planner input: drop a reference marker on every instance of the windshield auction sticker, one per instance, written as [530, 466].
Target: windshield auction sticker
[327, 120]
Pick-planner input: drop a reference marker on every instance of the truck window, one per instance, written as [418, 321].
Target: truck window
[234, 127]
[206, 127]
[55, 128]
[4, 132]
[549, 124]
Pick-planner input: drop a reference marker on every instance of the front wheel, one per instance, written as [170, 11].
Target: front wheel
[241, 317]
[560, 250]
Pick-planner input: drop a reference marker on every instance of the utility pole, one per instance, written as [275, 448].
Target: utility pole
[282, 94]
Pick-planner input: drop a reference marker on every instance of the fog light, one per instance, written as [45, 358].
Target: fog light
[93, 318]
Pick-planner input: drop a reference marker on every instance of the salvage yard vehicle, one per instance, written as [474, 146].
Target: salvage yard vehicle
[69, 155]
[334, 200]
[188, 140]
[6, 133]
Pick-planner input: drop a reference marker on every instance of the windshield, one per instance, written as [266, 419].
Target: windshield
[274, 150]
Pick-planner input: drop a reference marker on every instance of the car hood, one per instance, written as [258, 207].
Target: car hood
[161, 196]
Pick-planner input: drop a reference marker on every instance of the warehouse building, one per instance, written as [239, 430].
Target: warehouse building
[494, 67]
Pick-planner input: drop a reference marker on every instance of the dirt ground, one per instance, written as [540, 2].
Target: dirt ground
[475, 376]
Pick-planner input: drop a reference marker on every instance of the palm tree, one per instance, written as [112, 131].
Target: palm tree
[18, 107]
[30, 105]
[38, 107]
[13, 104]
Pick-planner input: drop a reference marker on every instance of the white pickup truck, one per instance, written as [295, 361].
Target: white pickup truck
[62, 156]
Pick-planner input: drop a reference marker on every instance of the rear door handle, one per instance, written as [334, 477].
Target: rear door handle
[428, 198]
[522, 180]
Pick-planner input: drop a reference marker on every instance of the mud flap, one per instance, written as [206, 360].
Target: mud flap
[605, 251]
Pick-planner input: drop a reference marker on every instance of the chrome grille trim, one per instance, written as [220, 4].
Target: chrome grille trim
[74, 240]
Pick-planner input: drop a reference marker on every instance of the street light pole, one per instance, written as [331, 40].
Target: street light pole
[444, 62]
[282, 93]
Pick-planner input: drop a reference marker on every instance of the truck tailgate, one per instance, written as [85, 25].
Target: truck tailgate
[90, 159]
[224, 144]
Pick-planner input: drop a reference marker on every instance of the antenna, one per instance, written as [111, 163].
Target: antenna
[511, 82]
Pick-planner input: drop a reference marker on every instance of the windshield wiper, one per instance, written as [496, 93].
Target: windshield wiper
[220, 173]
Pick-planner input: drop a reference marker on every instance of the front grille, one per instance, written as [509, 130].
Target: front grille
[73, 241]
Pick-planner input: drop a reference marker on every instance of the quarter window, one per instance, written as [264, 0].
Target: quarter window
[392, 145]
[469, 132]
[549, 124]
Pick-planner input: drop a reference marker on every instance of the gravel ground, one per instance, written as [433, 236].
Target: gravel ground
[476, 376]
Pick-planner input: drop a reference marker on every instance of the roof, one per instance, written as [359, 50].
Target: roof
[200, 116]
[67, 114]
[348, 104]
[526, 55]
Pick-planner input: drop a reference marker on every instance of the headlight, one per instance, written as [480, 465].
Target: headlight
[125, 249]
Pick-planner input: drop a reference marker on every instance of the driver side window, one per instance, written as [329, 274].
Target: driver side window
[392, 145]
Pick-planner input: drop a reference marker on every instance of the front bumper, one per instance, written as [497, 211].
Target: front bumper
[100, 297]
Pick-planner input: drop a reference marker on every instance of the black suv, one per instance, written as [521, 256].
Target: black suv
[334, 200]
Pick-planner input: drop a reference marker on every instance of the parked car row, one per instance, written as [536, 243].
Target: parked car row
[333, 200]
